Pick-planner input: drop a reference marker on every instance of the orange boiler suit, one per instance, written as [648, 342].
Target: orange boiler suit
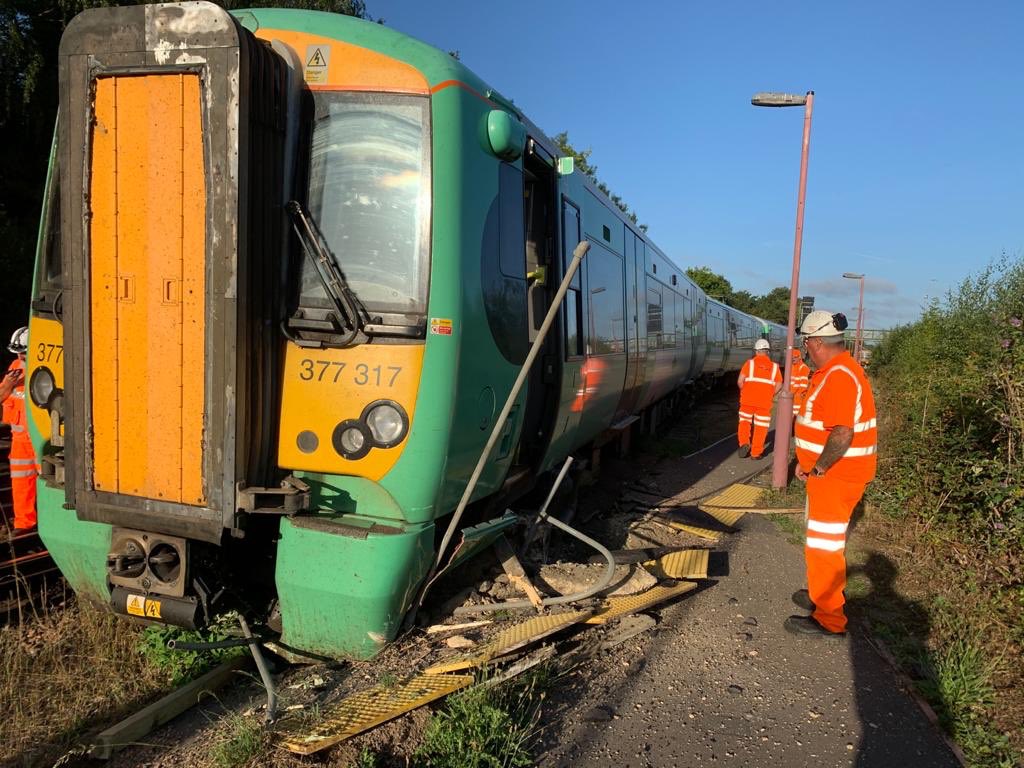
[761, 375]
[799, 380]
[22, 457]
[839, 395]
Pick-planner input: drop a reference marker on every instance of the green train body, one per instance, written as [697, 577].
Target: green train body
[219, 426]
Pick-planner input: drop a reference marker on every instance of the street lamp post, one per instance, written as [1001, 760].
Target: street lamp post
[784, 410]
[858, 343]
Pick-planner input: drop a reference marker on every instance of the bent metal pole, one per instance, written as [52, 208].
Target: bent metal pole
[784, 409]
[570, 272]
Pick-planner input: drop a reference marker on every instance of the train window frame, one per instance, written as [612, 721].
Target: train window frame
[310, 317]
[48, 284]
[573, 302]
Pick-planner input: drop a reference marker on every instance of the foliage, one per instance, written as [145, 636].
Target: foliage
[772, 306]
[582, 162]
[245, 739]
[180, 666]
[365, 759]
[30, 32]
[485, 726]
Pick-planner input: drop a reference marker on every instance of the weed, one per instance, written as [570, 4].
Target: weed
[792, 526]
[245, 739]
[387, 680]
[365, 759]
[180, 666]
[791, 497]
[486, 727]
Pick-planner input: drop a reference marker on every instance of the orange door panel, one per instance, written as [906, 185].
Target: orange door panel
[147, 238]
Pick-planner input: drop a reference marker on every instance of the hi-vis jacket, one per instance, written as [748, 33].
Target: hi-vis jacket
[799, 376]
[14, 406]
[761, 376]
[839, 395]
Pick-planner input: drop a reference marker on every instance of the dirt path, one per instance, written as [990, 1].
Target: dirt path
[721, 681]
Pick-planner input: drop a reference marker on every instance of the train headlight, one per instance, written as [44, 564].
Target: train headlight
[41, 387]
[387, 423]
[351, 439]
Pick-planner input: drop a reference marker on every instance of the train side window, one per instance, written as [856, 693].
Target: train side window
[604, 281]
[654, 318]
[574, 341]
[48, 277]
[512, 245]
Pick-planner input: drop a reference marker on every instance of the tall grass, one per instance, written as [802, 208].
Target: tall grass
[63, 673]
[950, 485]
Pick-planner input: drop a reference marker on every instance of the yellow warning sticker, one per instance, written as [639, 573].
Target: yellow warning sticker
[317, 62]
[441, 326]
[138, 605]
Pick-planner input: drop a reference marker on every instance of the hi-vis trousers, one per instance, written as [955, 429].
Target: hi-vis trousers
[830, 504]
[758, 417]
[23, 482]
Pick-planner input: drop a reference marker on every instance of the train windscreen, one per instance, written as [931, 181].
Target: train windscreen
[369, 192]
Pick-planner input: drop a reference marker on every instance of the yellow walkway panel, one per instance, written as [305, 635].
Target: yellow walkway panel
[735, 496]
[614, 607]
[365, 709]
[696, 530]
[686, 564]
[724, 515]
[510, 639]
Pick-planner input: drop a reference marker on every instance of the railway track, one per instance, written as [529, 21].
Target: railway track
[24, 561]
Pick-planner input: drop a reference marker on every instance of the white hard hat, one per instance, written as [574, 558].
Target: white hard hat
[19, 341]
[762, 344]
[822, 323]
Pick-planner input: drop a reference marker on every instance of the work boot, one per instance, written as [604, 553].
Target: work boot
[806, 626]
[743, 452]
[802, 599]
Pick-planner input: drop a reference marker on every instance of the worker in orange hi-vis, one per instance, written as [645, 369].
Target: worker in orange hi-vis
[799, 380]
[836, 438]
[760, 381]
[22, 457]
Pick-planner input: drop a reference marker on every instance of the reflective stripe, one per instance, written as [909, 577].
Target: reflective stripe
[864, 426]
[762, 421]
[811, 423]
[30, 462]
[807, 445]
[758, 380]
[857, 409]
[20, 395]
[17, 428]
[864, 451]
[826, 544]
[24, 473]
[819, 527]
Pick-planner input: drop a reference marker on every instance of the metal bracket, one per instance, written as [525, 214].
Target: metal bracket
[290, 498]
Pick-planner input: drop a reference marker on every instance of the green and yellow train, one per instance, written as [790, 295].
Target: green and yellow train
[290, 265]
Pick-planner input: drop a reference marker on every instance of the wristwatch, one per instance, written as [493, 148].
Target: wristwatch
[818, 471]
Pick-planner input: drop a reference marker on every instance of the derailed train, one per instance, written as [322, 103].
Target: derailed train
[289, 267]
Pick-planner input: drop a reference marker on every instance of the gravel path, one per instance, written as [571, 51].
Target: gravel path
[721, 682]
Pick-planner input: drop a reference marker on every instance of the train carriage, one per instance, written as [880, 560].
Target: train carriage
[290, 266]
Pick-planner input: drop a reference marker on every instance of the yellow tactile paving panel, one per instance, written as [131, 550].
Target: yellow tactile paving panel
[696, 530]
[510, 639]
[687, 564]
[615, 607]
[724, 515]
[365, 709]
[735, 496]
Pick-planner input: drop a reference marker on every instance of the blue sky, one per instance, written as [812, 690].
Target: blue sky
[917, 153]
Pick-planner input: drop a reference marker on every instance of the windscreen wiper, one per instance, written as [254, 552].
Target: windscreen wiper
[349, 308]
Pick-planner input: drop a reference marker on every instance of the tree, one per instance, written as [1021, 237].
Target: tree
[774, 305]
[582, 162]
[713, 284]
[30, 32]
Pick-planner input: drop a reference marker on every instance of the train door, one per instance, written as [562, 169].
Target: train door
[634, 341]
[543, 274]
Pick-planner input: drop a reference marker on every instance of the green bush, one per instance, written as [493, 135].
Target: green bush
[952, 408]
[181, 666]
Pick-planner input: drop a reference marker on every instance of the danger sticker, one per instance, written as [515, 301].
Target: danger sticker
[137, 605]
[318, 59]
[441, 326]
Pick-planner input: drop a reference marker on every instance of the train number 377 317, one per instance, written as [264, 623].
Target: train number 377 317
[361, 374]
